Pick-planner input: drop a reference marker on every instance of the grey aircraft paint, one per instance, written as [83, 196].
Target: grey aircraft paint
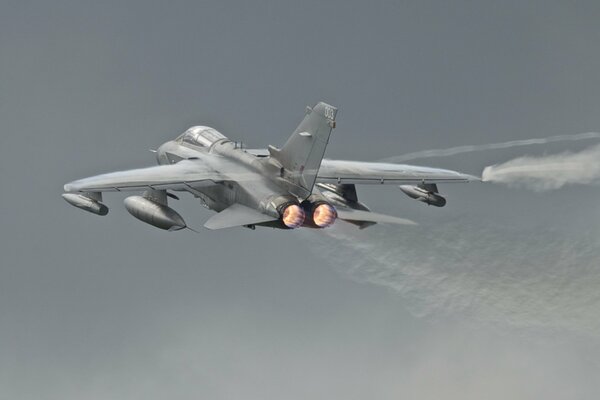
[111, 308]
[273, 188]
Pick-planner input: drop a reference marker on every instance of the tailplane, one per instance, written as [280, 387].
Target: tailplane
[301, 156]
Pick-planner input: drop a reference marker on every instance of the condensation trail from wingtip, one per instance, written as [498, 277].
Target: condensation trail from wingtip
[491, 146]
[550, 172]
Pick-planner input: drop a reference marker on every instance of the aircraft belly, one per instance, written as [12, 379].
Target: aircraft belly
[248, 193]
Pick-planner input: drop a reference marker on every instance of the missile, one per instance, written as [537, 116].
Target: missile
[155, 214]
[85, 203]
[422, 194]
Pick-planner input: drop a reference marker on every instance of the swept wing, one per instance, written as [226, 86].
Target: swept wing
[359, 172]
[184, 174]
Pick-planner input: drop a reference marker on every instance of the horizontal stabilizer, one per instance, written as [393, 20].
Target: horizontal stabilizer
[368, 216]
[237, 215]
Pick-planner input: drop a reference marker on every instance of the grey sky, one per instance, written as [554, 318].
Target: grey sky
[493, 296]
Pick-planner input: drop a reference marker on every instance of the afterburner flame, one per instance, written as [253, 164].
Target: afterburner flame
[324, 215]
[293, 216]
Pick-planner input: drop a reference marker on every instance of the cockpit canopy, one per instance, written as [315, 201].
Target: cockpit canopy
[202, 136]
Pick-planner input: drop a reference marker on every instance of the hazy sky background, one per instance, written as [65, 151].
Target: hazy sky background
[494, 296]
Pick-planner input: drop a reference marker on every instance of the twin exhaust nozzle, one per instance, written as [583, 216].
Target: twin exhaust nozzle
[320, 215]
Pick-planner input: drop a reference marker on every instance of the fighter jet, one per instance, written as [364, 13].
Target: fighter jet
[287, 188]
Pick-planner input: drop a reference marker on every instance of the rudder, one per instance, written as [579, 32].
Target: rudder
[301, 155]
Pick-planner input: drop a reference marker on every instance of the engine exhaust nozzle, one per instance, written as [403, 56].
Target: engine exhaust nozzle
[293, 216]
[324, 215]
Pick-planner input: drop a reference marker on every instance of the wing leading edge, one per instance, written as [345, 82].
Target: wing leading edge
[359, 172]
[177, 176]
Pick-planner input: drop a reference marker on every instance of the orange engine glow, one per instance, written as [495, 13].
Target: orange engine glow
[293, 216]
[324, 215]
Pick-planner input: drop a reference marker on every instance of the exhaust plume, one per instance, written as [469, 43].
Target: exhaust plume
[491, 146]
[548, 172]
[536, 279]
[539, 277]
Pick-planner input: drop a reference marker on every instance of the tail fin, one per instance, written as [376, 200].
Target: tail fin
[301, 155]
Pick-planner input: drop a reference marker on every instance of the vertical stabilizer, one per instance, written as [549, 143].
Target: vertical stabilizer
[301, 155]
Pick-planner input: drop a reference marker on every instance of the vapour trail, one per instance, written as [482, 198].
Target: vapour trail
[548, 172]
[535, 278]
[491, 146]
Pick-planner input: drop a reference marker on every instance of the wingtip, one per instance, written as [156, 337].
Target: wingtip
[471, 178]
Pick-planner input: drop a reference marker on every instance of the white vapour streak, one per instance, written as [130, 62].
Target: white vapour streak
[548, 172]
[491, 146]
[535, 279]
